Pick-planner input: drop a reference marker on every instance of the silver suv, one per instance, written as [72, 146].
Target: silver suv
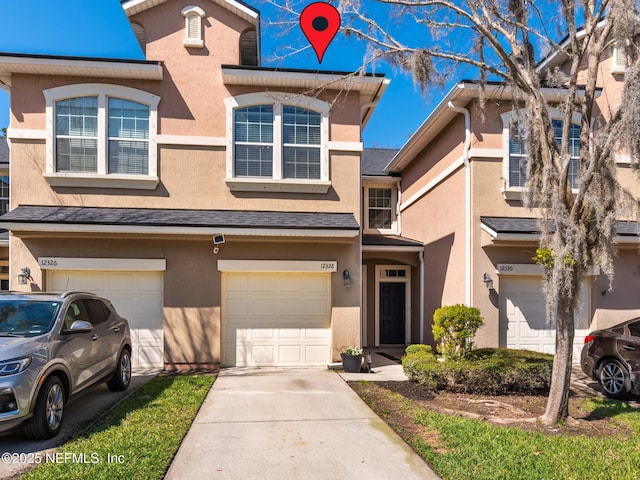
[52, 346]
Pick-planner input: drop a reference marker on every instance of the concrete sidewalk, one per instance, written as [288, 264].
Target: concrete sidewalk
[291, 424]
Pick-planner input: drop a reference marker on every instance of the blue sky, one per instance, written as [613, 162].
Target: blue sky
[104, 32]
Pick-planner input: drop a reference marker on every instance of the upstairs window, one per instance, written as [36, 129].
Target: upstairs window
[101, 131]
[128, 137]
[193, 26]
[253, 128]
[4, 195]
[301, 143]
[298, 144]
[77, 134]
[380, 209]
[518, 154]
[277, 142]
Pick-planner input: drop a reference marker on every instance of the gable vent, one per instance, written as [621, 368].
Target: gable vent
[618, 60]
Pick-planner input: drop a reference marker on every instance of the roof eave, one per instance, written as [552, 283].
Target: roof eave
[370, 86]
[441, 115]
[77, 66]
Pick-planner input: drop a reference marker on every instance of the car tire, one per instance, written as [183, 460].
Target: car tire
[48, 413]
[614, 379]
[122, 376]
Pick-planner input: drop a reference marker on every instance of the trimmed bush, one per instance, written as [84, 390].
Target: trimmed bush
[453, 328]
[488, 371]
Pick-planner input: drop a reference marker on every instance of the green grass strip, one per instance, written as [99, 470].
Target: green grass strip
[136, 440]
[464, 449]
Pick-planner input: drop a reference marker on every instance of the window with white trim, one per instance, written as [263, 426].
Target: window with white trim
[101, 132]
[277, 144]
[193, 26]
[380, 208]
[4, 195]
[518, 153]
[515, 152]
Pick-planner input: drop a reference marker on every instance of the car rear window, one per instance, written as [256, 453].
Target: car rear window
[634, 329]
[26, 318]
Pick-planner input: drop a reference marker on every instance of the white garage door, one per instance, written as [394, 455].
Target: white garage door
[523, 315]
[137, 296]
[276, 319]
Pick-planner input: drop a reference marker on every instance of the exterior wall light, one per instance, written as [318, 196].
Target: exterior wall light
[488, 281]
[24, 276]
[346, 277]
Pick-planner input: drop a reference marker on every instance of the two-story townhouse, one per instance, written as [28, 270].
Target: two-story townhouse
[461, 180]
[214, 201]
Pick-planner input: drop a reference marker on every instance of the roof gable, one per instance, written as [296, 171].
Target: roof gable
[242, 9]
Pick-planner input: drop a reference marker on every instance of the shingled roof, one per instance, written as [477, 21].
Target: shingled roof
[4, 153]
[149, 217]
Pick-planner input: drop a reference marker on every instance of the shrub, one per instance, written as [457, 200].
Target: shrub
[453, 328]
[488, 371]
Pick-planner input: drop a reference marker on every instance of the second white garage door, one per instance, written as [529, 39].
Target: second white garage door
[137, 296]
[523, 315]
[276, 319]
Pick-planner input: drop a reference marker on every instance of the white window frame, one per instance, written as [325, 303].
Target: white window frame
[394, 201]
[101, 178]
[512, 192]
[193, 39]
[277, 182]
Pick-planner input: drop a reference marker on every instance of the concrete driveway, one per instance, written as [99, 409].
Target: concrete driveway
[79, 414]
[291, 424]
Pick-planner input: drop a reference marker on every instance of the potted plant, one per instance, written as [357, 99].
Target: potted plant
[351, 359]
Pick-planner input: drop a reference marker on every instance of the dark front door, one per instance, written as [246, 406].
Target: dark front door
[392, 313]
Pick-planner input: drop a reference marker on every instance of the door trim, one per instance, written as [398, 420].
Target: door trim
[379, 278]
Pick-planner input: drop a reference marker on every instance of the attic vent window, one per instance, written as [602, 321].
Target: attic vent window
[193, 27]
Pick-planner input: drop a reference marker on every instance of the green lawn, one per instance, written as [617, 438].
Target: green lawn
[137, 440]
[464, 449]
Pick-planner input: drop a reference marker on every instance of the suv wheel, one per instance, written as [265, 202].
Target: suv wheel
[48, 412]
[122, 375]
[614, 379]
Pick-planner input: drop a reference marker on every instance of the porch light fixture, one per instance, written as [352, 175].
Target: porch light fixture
[488, 281]
[346, 277]
[24, 276]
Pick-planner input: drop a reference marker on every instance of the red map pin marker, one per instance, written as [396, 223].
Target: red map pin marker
[320, 22]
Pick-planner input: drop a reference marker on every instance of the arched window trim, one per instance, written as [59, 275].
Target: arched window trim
[277, 182]
[513, 192]
[193, 31]
[101, 178]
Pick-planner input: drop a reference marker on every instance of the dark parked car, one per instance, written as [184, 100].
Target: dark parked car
[612, 357]
[53, 346]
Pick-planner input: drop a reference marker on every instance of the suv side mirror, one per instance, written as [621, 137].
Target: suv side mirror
[79, 326]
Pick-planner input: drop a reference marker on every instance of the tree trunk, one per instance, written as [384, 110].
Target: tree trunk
[558, 401]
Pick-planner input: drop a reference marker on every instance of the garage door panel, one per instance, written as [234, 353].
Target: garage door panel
[286, 321]
[523, 316]
[263, 306]
[137, 296]
[263, 354]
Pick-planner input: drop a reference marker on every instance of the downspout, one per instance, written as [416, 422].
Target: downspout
[467, 189]
[421, 256]
[398, 211]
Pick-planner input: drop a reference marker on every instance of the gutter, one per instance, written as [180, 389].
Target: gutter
[467, 189]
